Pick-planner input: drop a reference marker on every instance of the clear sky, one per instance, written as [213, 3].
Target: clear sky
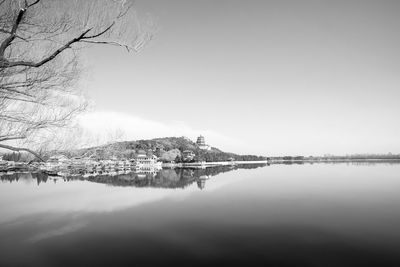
[261, 77]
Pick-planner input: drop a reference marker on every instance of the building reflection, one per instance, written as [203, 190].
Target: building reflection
[164, 178]
[201, 181]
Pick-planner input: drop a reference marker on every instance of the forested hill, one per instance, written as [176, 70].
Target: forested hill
[167, 149]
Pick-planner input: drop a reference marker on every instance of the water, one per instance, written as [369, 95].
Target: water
[278, 215]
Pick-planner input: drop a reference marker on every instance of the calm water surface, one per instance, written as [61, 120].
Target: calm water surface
[278, 215]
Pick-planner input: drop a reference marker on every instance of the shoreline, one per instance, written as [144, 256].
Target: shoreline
[27, 168]
[275, 161]
[211, 164]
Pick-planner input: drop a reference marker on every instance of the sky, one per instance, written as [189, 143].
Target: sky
[257, 77]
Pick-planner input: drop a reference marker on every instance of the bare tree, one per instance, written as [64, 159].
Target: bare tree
[40, 45]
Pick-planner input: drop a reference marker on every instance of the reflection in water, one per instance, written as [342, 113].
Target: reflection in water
[165, 178]
[26, 176]
[364, 162]
[284, 215]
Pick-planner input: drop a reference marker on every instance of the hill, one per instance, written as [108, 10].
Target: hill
[167, 149]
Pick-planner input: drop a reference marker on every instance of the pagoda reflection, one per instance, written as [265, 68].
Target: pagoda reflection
[164, 178]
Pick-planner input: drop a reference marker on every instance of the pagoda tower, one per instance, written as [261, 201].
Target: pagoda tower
[201, 143]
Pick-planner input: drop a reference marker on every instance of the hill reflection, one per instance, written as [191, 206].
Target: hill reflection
[165, 178]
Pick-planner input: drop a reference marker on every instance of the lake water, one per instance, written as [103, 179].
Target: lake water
[278, 215]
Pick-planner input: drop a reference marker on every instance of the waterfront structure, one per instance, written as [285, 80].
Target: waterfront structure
[188, 155]
[201, 143]
[58, 159]
[55, 163]
[145, 161]
[120, 165]
[78, 164]
[99, 167]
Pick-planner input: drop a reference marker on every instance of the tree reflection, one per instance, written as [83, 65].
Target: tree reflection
[165, 178]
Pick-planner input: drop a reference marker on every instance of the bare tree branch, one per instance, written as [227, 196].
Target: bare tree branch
[40, 45]
[47, 59]
[30, 5]
[13, 32]
[100, 33]
[17, 149]
[108, 43]
[8, 138]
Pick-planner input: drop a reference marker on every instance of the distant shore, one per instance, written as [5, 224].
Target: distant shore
[375, 160]
[277, 161]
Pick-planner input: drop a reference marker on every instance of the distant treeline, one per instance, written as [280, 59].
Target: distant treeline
[218, 156]
[16, 156]
[333, 157]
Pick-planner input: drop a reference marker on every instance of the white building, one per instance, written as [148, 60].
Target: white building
[144, 161]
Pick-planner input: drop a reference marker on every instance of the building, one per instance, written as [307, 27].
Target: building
[201, 143]
[57, 161]
[188, 155]
[146, 161]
